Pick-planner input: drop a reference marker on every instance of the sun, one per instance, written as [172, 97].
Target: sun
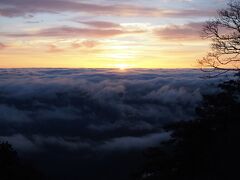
[122, 66]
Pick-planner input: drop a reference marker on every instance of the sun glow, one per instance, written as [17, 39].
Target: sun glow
[122, 66]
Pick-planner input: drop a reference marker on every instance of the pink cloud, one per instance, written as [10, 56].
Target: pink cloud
[100, 24]
[23, 7]
[73, 32]
[53, 49]
[190, 31]
[85, 44]
[2, 46]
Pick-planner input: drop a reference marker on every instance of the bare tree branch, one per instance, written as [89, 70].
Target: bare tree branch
[224, 32]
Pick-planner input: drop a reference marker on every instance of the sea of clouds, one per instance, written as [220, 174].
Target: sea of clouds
[95, 111]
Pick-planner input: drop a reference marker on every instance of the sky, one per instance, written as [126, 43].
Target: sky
[104, 33]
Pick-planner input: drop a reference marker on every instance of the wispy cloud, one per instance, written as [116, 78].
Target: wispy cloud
[190, 31]
[100, 24]
[53, 48]
[2, 46]
[73, 32]
[24, 7]
[85, 44]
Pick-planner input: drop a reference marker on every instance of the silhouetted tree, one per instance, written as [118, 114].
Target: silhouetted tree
[203, 148]
[224, 32]
[12, 168]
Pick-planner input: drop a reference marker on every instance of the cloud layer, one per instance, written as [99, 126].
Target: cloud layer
[94, 113]
[96, 104]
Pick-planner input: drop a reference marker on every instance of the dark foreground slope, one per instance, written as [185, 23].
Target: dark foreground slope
[204, 148]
